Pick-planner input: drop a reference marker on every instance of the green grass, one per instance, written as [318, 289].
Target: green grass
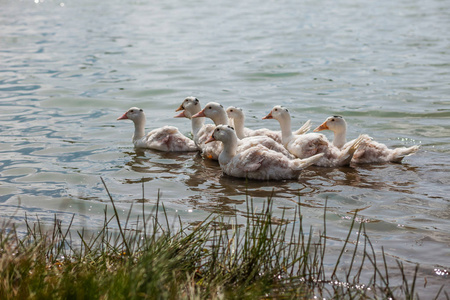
[216, 259]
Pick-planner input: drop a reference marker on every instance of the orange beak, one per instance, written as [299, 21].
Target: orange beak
[199, 114]
[269, 116]
[323, 126]
[180, 108]
[123, 117]
[210, 139]
[180, 115]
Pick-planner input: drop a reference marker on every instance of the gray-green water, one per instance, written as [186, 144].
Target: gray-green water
[68, 69]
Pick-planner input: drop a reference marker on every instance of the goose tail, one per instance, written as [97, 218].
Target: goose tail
[347, 156]
[304, 129]
[400, 153]
[306, 162]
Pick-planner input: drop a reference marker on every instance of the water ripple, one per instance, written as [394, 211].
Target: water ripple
[69, 72]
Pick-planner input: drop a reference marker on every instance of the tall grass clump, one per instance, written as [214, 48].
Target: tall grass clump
[216, 259]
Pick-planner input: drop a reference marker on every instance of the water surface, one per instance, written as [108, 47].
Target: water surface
[69, 69]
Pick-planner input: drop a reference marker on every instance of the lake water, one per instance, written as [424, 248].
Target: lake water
[68, 69]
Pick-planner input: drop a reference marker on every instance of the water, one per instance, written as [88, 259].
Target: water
[69, 69]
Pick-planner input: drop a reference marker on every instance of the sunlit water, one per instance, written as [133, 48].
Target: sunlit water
[69, 69]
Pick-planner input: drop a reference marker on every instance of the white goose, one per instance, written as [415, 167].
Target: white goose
[238, 117]
[201, 131]
[167, 138]
[217, 113]
[307, 145]
[370, 151]
[256, 162]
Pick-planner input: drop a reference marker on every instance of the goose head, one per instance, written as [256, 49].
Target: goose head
[235, 113]
[134, 114]
[189, 107]
[278, 113]
[223, 133]
[336, 124]
[215, 112]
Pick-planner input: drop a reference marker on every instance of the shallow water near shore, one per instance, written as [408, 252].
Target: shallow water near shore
[69, 69]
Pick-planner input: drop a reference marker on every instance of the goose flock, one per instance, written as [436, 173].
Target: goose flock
[261, 154]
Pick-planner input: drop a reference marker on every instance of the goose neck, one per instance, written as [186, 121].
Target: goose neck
[286, 131]
[340, 139]
[239, 127]
[197, 124]
[139, 129]
[221, 119]
[229, 149]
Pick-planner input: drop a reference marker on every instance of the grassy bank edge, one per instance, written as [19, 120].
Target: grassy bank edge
[215, 259]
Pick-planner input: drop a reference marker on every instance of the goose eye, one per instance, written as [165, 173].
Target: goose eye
[276, 109]
[141, 109]
[221, 105]
[332, 120]
[231, 110]
[286, 109]
[210, 107]
[132, 111]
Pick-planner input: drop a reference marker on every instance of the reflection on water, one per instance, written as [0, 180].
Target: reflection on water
[208, 189]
